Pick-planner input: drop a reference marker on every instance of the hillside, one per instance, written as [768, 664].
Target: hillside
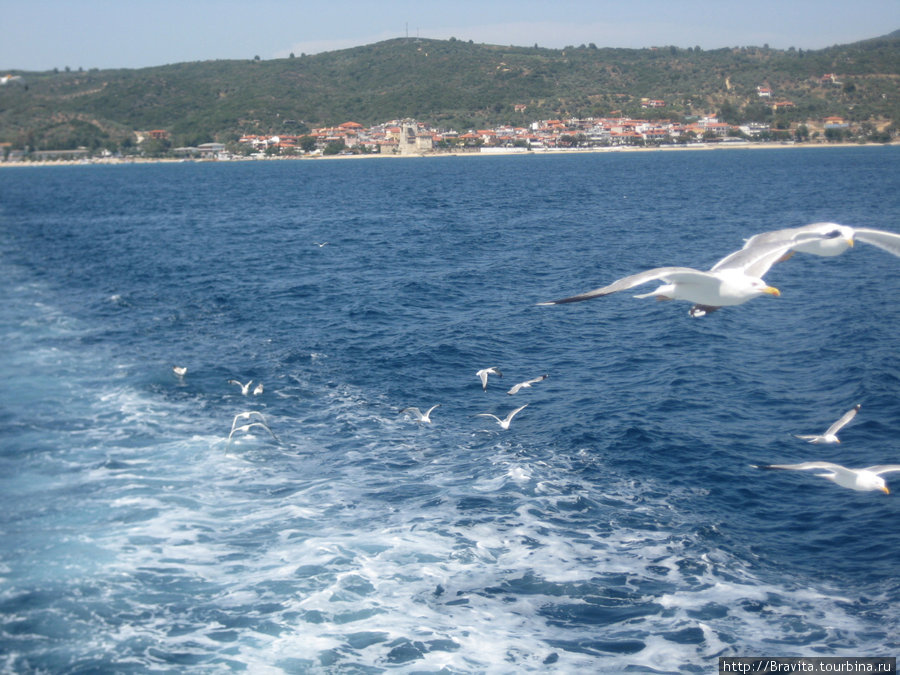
[449, 83]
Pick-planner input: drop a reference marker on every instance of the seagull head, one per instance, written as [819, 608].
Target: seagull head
[762, 287]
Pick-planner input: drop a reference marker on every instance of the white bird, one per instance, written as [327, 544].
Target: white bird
[180, 371]
[483, 374]
[854, 479]
[830, 435]
[247, 415]
[504, 423]
[245, 388]
[733, 280]
[828, 239]
[527, 383]
[418, 415]
[247, 427]
[258, 389]
[320, 245]
[5, 79]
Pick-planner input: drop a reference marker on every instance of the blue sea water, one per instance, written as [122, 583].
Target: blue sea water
[618, 525]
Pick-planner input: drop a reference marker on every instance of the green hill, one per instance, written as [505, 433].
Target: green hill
[448, 83]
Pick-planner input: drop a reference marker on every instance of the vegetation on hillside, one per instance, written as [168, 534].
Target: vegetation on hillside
[450, 84]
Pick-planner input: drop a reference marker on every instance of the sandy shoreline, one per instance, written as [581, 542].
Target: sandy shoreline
[494, 152]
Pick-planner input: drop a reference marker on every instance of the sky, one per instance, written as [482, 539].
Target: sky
[41, 35]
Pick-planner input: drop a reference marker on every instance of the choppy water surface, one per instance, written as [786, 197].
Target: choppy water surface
[616, 525]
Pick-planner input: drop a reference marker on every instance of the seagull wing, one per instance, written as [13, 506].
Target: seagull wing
[489, 415]
[663, 273]
[436, 405]
[883, 468]
[794, 234]
[415, 411]
[514, 413]
[812, 438]
[887, 241]
[755, 260]
[806, 466]
[837, 426]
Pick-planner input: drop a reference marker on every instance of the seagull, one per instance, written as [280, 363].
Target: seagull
[9, 78]
[483, 374]
[247, 427]
[828, 239]
[418, 415]
[733, 280]
[527, 383]
[504, 423]
[320, 245]
[830, 435]
[179, 371]
[855, 479]
[245, 388]
[258, 389]
[249, 414]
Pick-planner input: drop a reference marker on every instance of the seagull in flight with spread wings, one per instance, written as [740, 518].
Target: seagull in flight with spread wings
[245, 388]
[830, 435]
[527, 383]
[504, 423]
[483, 375]
[864, 480]
[418, 415]
[828, 239]
[733, 280]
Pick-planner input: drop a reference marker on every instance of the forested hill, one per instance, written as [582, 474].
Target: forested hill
[449, 83]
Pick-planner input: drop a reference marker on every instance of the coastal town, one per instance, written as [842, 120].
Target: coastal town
[408, 137]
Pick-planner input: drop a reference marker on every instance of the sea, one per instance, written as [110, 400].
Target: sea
[618, 525]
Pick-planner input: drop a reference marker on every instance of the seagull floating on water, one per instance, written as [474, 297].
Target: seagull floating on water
[864, 480]
[180, 371]
[504, 423]
[418, 415]
[258, 389]
[733, 280]
[830, 435]
[483, 374]
[527, 383]
[245, 388]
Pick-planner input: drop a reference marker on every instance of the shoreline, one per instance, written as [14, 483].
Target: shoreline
[494, 152]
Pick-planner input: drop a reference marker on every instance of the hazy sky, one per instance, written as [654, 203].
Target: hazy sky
[46, 34]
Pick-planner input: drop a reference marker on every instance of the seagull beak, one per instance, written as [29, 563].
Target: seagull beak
[850, 241]
[771, 290]
[885, 490]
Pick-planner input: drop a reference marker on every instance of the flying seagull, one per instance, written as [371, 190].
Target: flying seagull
[854, 479]
[504, 423]
[419, 416]
[527, 383]
[828, 239]
[733, 280]
[247, 427]
[830, 435]
[247, 415]
[245, 388]
[483, 374]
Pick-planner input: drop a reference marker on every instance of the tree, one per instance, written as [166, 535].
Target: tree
[307, 144]
[334, 148]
